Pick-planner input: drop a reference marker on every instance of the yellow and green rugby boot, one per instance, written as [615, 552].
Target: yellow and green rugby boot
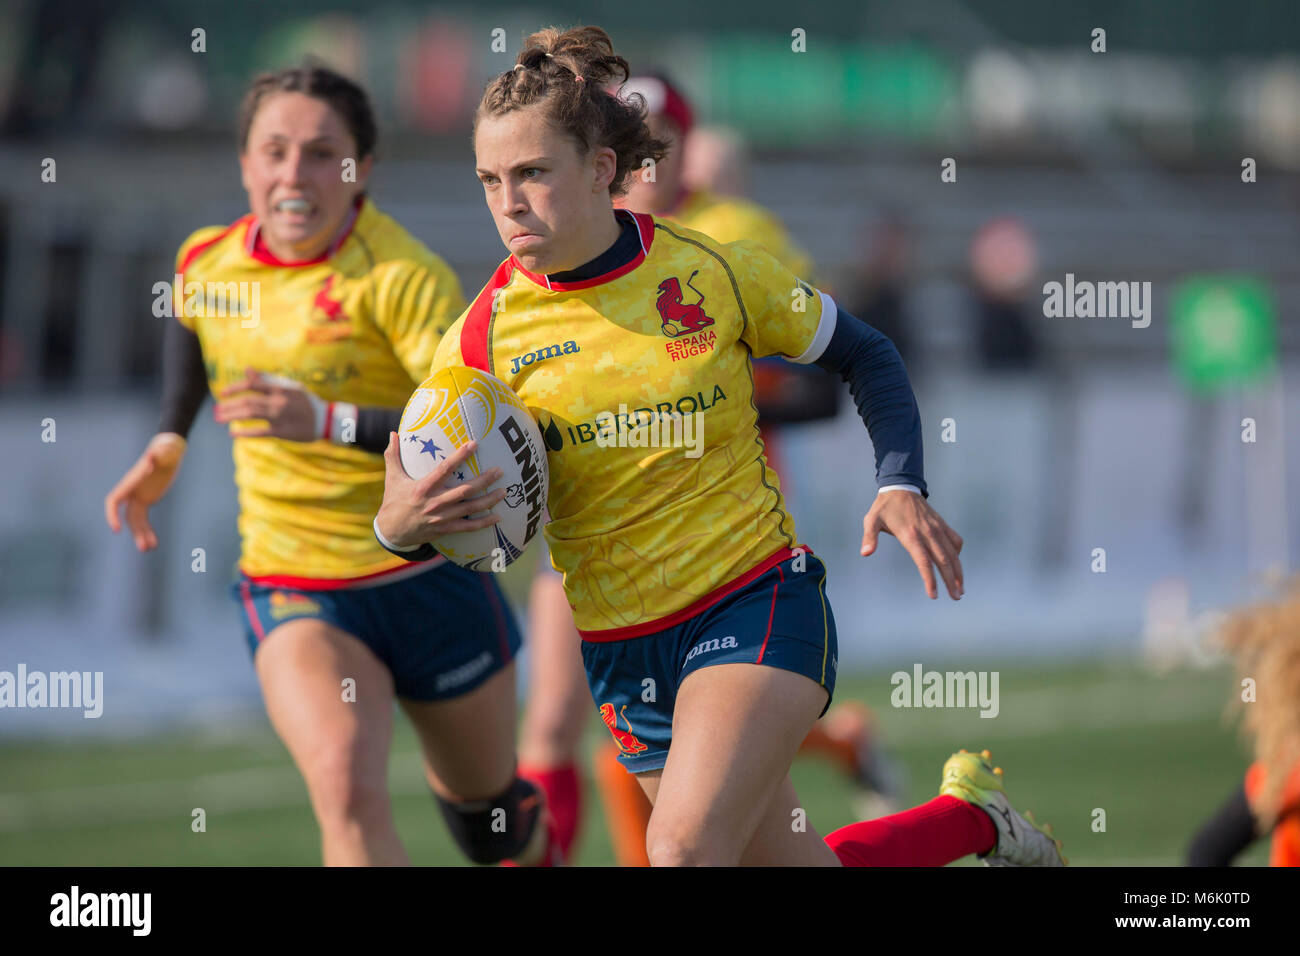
[1021, 841]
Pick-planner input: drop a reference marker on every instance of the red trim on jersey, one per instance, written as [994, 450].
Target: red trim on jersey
[771, 615]
[329, 419]
[645, 225]
[199, 247]
[677, 617]
[474, 334]
[193, 254]
[256, 248]
[334, 584]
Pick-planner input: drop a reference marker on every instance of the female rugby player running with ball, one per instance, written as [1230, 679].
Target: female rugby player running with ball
[353, 306]
[708, 642]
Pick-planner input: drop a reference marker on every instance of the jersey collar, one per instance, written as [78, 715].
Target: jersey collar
[257, 249]
[645, 226]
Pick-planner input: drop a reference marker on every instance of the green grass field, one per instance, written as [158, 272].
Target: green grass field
[1154, 753]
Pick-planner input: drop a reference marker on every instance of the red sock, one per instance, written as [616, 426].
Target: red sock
[563, 797]
[935, 833]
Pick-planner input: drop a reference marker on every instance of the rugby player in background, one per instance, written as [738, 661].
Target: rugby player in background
[556, 711]
[1264, 640]
[708, 641]
[350, 310]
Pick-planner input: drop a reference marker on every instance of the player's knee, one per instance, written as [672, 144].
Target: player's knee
[489, 831]
[670, 845]
[345, 795]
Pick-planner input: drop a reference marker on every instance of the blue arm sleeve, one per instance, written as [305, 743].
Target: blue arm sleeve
[868, 361]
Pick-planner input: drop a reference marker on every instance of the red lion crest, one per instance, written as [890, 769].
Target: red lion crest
[679, 318]
[627, 742]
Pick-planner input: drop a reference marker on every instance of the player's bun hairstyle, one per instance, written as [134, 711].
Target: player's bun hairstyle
[569, 72]
[1264, 640]
[314, 79]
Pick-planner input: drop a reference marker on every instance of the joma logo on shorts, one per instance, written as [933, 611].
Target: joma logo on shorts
[464, 673]
[541, 355]
[708, 647]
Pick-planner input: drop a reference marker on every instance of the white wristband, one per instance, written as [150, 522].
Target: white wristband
[379, 535]
[912, 488]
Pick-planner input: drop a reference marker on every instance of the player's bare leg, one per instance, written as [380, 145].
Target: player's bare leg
[340, 746]
[469, 746]
[559, 701]
[469, 741]
[736, 728]
[559, 704]
[782, 837]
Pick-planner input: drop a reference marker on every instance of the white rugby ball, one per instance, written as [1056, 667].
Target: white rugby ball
[454, 406]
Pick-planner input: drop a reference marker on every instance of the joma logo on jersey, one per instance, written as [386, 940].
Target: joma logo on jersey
[708, 647]
[677, 317]
[541, 355]
[529, 474]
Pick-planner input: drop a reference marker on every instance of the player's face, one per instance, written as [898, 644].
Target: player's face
[551, 204]
[661, 195]
[292, 168]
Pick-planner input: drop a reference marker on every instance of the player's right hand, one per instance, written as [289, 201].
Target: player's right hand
[415, 511]
[143, 485]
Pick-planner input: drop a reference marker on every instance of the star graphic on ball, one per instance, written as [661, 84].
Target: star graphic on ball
[430, 447]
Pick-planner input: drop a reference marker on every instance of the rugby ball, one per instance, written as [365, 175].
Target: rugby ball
[457, 405]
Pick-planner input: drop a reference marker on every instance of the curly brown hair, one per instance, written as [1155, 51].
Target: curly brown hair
[1264, 640]
[567, 72]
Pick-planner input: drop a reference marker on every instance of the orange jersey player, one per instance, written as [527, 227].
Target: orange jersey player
[1264, 640]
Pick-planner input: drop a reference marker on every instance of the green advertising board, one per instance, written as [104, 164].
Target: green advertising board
[1223, 330]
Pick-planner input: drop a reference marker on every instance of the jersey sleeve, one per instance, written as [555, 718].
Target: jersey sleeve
[186, 257]
[416, 302]
[783, 315]
[448, 352]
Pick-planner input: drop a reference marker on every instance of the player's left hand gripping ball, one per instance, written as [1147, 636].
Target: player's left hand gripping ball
[458, 405]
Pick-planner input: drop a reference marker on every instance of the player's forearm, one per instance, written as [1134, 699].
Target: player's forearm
[868, 361]
[1226, 834]
[185, 381]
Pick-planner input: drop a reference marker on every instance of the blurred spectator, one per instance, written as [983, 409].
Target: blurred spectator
[875, 290]
[715, 159]
[56, 61]
[1003, 261]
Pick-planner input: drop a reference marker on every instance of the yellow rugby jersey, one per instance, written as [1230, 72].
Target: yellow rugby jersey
[359, 324]
[730, 219]
[645, 534]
